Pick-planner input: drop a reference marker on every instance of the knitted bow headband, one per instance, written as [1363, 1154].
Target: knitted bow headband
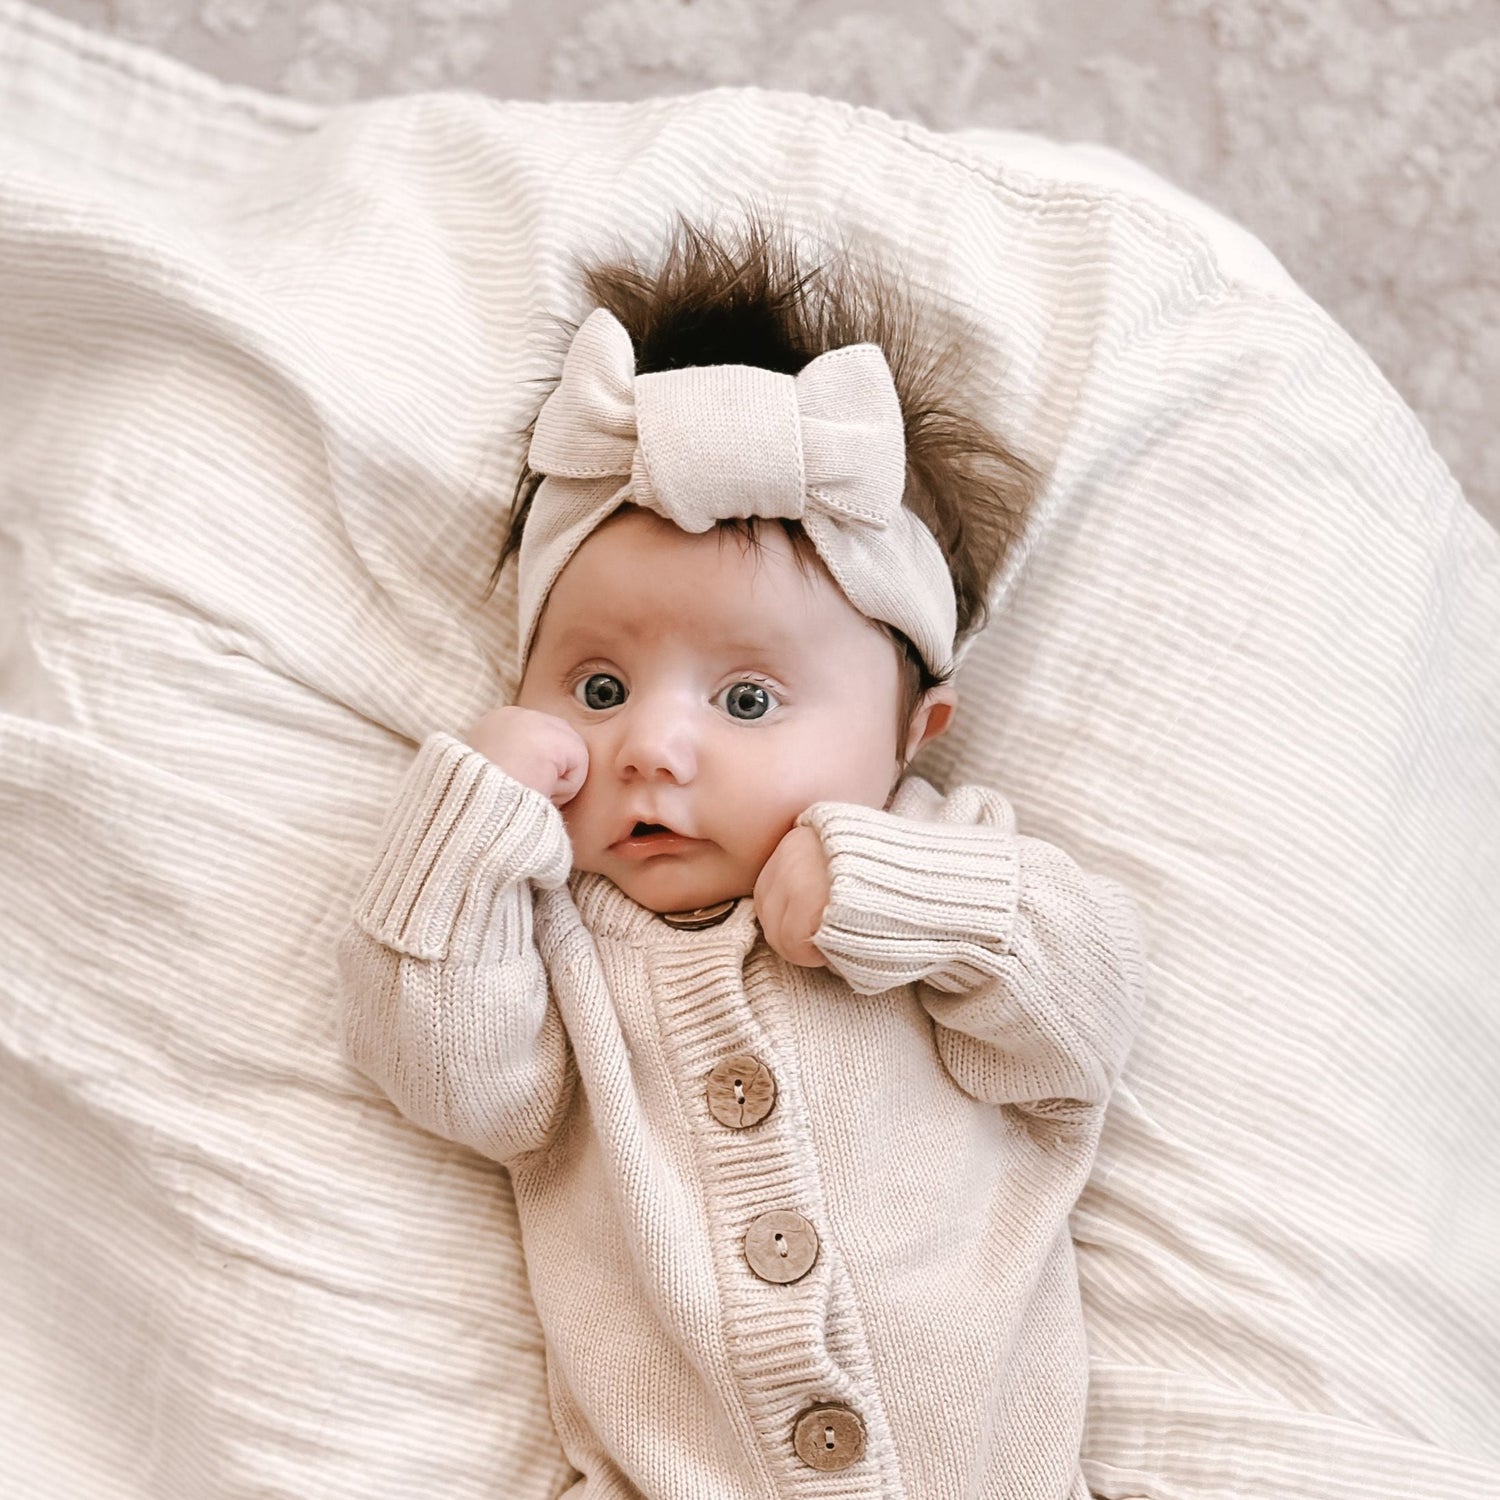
[711, 442]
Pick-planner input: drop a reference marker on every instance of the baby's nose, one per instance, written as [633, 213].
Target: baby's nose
[656, 744]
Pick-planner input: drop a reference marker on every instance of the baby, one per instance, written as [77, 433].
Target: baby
[798, 1065]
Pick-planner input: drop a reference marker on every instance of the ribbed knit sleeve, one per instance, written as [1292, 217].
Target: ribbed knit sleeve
[444, 997]
[460, 832]
[1032, 969]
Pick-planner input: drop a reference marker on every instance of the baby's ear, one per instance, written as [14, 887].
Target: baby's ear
[933, 715]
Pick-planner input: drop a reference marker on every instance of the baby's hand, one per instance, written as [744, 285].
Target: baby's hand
[791, 895]
[539, 750]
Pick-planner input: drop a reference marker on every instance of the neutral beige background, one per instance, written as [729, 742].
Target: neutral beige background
[1360, 139]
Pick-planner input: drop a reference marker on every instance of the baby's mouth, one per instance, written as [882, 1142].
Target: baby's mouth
[644, 835]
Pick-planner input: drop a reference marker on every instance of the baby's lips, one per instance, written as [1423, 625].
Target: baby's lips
[647, 825]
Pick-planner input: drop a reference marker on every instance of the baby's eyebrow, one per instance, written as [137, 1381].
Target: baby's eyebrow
[761, 645]
[771, 643]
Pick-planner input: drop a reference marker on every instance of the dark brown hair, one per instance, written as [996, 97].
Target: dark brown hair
[745, 298]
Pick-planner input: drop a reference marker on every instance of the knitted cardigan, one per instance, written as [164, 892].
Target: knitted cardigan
[939, 1091]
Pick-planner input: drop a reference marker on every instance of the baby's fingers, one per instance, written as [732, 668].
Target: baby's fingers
[769, 900]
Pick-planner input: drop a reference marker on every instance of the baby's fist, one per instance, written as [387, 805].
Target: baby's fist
[539, 750]
[791, 895]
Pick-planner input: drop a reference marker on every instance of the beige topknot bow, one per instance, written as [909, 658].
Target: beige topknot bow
[711, 442]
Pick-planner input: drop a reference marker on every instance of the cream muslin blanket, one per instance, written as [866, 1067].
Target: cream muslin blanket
[263, 368]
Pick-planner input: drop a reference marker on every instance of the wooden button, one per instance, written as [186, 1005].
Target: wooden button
[781, 1246]
[700, 916]
[741, 1091]
[829, 1437]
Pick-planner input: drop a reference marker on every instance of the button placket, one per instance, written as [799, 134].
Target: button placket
[781, 1246]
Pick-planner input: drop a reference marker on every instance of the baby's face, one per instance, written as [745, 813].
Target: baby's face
[719, 692]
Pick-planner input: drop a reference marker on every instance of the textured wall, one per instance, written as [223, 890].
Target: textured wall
[1360, 139]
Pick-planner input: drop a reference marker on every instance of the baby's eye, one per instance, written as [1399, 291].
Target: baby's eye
[601, 690]
[744, 700]
[747, 700]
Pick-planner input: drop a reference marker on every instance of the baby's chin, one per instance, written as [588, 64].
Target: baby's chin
[669, 883]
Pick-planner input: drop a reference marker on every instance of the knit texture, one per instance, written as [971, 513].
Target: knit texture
[940, 1090]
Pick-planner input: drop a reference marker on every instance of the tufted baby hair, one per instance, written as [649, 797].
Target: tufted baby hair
[745, 296]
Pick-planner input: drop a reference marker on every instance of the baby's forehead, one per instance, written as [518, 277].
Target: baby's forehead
[708, 629]
[639, 579]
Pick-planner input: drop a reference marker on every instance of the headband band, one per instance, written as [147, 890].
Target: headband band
[826, 447]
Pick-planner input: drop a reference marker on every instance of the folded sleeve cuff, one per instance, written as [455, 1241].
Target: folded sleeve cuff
[912, 899]
[458, 821]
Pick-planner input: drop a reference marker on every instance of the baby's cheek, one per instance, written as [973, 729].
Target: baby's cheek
[772, 828]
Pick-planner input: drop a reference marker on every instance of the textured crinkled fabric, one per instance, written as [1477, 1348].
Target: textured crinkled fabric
[1361, 141]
